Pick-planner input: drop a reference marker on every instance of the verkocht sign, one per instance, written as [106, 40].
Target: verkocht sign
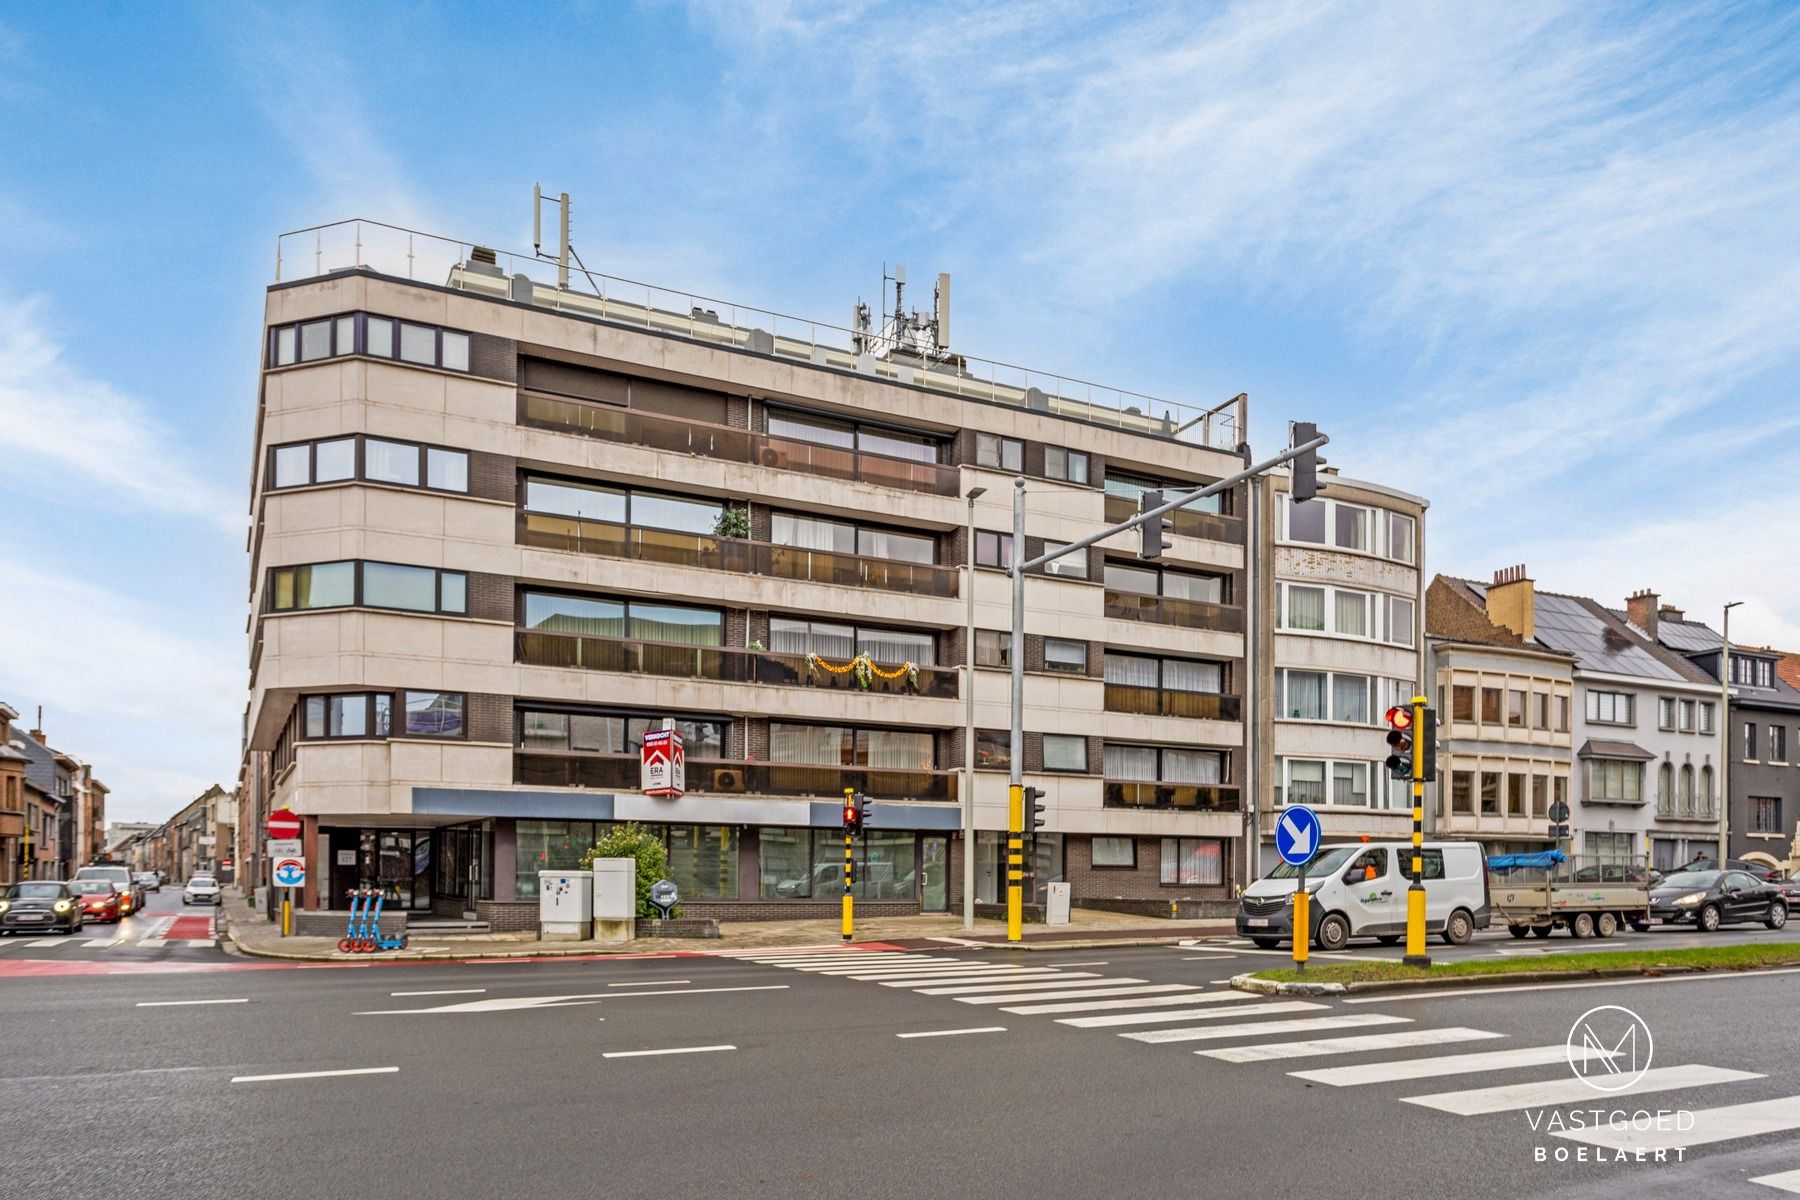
[664, 764]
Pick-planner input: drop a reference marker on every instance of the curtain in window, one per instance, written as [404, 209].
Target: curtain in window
[810, 533]
[1349, 698]
[1306, 782]
[899, 547]
[894, 749]
[1193, 766]
[892, 646]
[1306, 695]
[806, 744]
[1130, 671]
[1306, 608]
[1129, 762]
[1179, 676]
[1353, 613]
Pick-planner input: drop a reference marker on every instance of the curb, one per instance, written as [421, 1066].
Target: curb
[1270, 987]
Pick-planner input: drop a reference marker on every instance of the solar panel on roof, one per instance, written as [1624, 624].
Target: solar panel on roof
[1566, 624]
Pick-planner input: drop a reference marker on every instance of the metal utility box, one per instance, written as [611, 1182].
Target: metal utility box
[615, 899]
[1056, 907]
[565, 905]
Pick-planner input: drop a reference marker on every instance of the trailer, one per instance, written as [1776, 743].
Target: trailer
[1589, 896]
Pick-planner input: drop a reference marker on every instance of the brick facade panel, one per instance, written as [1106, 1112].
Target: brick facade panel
[489, 718]
[493, 357]
[493, 476]
[491, 597]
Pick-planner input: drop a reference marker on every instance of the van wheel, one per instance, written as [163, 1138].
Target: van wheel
[1542, 931]
[1581, 925]
[1334, 933]
[1605, 925]
[1266, 943]
[1459, 930]
[1519, 931]
[1389, 939]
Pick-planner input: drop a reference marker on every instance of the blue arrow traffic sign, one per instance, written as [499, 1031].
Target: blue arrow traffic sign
[1297, 835]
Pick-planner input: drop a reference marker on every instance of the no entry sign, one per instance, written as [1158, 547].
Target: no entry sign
[283, 824]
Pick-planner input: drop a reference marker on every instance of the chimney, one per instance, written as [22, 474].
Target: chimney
[1668, 612]
[1640, 609]
[1512, 601]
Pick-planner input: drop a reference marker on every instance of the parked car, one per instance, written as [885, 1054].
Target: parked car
[99, 899]
[149, 881]
[1709, 899]
[131, 896]
[1759, 870]
[38, 905]
[201, 889]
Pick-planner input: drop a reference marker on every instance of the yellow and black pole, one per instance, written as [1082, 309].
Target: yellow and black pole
[1302, 922]
[1015, 862]
[849, 866]
[1415, 891]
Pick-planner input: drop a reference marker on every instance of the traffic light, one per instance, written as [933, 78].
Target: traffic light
[1155, 528]
[1428, 739]
[853, 816]
[1034, 809]
[1400, 741]
[1305, 466]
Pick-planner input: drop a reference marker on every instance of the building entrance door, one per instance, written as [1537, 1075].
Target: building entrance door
[934, 874]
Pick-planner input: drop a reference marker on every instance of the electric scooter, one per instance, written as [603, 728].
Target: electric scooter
[374, 939]
[352, 941]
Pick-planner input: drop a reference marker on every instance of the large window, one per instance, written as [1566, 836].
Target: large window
[1133, 487]
[834, 641]
[835, 745]
[599, 732]
[808, 864]
[1070, 465]
[1347, 526]
[618, 506]
[1163, 764]
[1165, 674]
[842, 537]
[368, 585]
[1321, 696]
[381, 337]
[371, 715]
[378, 460]
[1615, 780]
[1065, 654]
[597, 616]
[1065, 752]
[1001, 453]
[993, 648]
[869, 439]
[1146, 581]
[1765, 815]
[550, 846]
[1611, 708]
[1346, 783]
[1069, 566]
[1345, 612]
[1192, 862]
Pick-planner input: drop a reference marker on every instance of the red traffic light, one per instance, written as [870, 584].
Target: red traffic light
[1400, 716]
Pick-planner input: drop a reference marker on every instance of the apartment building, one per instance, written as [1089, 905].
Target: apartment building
[13, 813]
[1759, 733]
[1344, 643]
[1505, 728]
[503, 527]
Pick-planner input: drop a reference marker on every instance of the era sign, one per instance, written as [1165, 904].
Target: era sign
[664, 764]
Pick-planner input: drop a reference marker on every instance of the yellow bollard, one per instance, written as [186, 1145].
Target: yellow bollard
[1302, 928]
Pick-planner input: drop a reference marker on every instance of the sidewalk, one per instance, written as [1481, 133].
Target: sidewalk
[250, 934]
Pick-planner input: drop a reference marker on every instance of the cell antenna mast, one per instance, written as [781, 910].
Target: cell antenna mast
[537, 232]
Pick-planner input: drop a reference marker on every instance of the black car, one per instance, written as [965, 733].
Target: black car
[1709, 899]
[39, 904]
[1757, 870]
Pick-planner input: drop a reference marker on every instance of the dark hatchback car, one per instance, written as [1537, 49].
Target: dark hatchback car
[40, 904]
[1709, 899]
[1754, 869]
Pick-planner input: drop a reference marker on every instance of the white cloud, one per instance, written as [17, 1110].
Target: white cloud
[56, 419]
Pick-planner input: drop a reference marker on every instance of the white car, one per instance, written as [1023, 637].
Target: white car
[201, 889]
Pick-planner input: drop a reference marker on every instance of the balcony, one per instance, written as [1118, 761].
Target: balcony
[724, 664]
[1169, 610]
[1155, 702]
[621, 772]
[549, 532]
[1171, 797]
[676, 435]
[1687, 809]
[1189, 522]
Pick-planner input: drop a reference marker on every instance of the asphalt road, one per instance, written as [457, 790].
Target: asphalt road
[795, 1078]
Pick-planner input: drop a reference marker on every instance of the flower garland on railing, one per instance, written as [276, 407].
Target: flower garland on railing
[865, 670]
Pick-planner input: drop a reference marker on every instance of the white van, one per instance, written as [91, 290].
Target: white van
[1359, 890]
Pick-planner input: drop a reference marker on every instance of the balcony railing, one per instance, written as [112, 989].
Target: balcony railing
[550, 532]
[1690, 809]
[1156, 702]
[726, 664]
[1180, 797]
[621, 772]
[677, 435]
[1189, 522]
[1170, 610]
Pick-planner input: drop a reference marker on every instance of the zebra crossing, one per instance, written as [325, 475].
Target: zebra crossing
[142, 934]
[1240, 1028]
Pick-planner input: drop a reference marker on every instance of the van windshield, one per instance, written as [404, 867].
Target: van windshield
[1323, 863]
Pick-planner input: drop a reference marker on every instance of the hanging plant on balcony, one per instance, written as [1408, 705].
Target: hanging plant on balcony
[865, 671]
[733, 521]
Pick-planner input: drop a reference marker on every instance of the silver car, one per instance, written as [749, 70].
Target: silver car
[201, 889]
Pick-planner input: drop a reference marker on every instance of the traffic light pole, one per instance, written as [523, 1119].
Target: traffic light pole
[849, 869]
[1015, 805]
[1415, 892]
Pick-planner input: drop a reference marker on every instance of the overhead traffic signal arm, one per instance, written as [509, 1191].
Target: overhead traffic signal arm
[1306, 464]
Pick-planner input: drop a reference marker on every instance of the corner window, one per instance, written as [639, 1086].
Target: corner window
[1399, 621]
[1065, 752]
[1400, 538]
[405, 464]
[1001, 453]
[433, 714]
[370, 584]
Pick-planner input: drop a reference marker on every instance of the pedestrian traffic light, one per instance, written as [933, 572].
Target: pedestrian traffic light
[1428, 744]
[852, 812]
[1034, 809]
[1400, 741]
[1155, 528]
[1305, 466]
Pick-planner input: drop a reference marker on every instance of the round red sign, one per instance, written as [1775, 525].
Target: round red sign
[283, 824]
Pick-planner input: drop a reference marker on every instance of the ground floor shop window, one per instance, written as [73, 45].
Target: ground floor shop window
[1042, 868]
[703, 861]
[550, 846]
[1192, 862]
[808, 864]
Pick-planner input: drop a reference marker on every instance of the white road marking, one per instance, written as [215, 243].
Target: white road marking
[180, 1003]
[953, 1032]
[100, 943]
[1710, 1125]
[1075, 1006]
[1448, 993]
[1263, 1028]
[1213, 957]
[1321, 959]
[766, 987]
[443, 992]
[1358, 1045]
[1787, 1181]
[315, 1074]
[969, 989]
[1509, 1097]
[670, 1050]
[899, 964]
[512, 1003]
[1412, 1068]
[1101, 963]
[55, 941]
[1000, 996]
[1185, 1014]
[649, 982]
[961, 973]
[1035, 976]
[876, 969]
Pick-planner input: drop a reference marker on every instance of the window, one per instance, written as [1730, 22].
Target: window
[390, 462]
[1399, 621]
[1686, 710]
[369, 584]
[1001, 453]
[1490, 706]
[1065, 752]
[1617, 781]
[869, 439]
[312, 341]
[1352, 527]
[1706, 716]
[993, 549]
[1540, 704]
[333, 337]
[1462, 702]
[832, 745]
[1350, 783]
[1350, 699]
[1778, 743]
[1765, 815]
[1562, 714]
[1706, 790]
[1305, 782]
[644, 621]
[1540, 796]
[1071, 465]
[404, 463]
[1749, 741]
[1147, 764]
[843, 642]
[350, 715]
[1610, 708]
[1351, 611]
[1665, 712]
[1304, 609]
[1462, 792]
[1490, 793]
[1687, 788]
[1607, 845]
[1166, 674]
[1302, 697]
[993, 748]
[1114, 852]
[1192, 862]
[1515, 708]
[433, 714]
[1515, 794]
[1400, 538]
[993, 648]
[1064, 654]
[1306, 521]
[601, 732]
[1070, 566]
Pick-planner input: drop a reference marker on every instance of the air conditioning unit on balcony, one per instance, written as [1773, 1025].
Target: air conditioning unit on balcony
[727, 779]
[771, 457]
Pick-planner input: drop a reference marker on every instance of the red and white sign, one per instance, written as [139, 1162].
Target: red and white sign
[664, 764]
[284, 824]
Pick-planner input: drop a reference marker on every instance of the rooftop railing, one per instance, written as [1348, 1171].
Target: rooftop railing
[411, 254]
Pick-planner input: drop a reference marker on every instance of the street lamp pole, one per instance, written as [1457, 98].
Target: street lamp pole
[968, 804]
[1725, 736]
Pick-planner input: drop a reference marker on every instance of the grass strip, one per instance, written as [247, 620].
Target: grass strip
[1704, 958]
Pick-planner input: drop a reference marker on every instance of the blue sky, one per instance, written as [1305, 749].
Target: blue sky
[1535, 262]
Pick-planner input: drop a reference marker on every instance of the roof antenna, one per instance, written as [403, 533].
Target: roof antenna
[537, 233]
